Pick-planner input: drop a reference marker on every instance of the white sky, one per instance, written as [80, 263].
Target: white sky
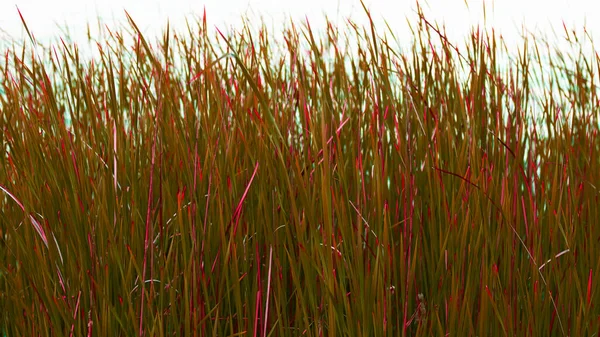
[507, 16]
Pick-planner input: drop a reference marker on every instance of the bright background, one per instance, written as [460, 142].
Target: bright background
[46, 17]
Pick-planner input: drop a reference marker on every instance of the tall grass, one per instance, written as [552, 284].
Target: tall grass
[281, 185]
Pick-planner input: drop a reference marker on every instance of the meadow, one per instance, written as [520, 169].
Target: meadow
[290, 183]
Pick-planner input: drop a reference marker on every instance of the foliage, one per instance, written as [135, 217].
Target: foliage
[228, 185]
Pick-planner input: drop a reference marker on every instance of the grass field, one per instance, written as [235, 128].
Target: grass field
[277, 184]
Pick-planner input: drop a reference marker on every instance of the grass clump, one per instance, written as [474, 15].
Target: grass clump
[231, 185]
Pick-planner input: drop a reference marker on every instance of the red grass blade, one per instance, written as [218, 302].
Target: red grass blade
[238, 209]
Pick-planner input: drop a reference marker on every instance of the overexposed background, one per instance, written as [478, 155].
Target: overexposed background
[47, 19]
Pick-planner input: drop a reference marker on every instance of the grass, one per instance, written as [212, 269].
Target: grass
[262, 184]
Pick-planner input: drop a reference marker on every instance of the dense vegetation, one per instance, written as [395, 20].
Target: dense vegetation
[258, 184]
